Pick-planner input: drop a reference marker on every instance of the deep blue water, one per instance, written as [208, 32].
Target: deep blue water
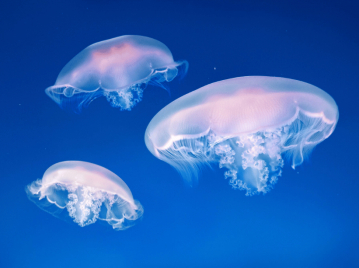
[310, 218]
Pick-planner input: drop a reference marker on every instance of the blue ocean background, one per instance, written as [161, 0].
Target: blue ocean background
[309, 219]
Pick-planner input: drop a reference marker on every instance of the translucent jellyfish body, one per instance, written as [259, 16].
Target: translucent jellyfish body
[88, 192]
[119, 69]
[245, 124]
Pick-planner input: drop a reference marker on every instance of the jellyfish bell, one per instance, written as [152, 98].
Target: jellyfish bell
[119, 69]
[245, 124]
[88, 192]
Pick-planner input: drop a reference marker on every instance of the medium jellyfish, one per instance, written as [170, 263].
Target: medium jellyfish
[119, 69]
[245, 125]
[88, 192]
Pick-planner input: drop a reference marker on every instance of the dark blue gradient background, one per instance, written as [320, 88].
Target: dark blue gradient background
[310, 219]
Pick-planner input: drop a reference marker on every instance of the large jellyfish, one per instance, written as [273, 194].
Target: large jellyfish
[88, 192]
[245, 124]
[119, 69]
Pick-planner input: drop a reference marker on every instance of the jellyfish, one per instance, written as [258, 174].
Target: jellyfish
[87, 192]
[248, 125]
[119, 69]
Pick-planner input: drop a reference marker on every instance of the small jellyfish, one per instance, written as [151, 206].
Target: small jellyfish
[88, 192]
[245, 125]
[119, 69]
